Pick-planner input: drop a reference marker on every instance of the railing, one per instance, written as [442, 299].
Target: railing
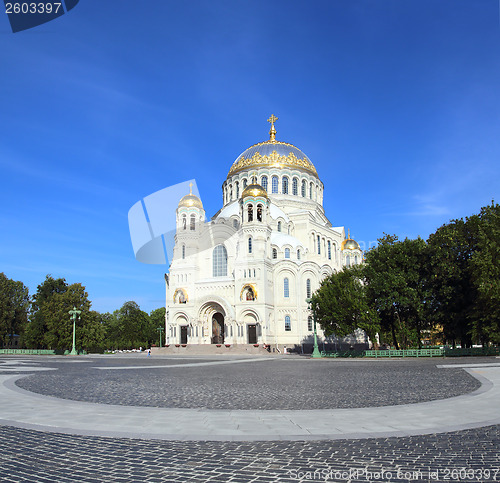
[343, 354]
[38, 352]
[406, 353]
[436, 352]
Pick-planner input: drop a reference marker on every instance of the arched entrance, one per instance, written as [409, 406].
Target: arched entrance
[216, 321]
[252, 327]
[217, 328]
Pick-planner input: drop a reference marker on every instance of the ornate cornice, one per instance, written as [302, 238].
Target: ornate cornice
[273, 160]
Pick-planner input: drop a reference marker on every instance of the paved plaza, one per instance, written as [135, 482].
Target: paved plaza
[138, 418]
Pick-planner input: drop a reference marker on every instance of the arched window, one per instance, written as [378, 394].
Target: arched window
[298, 254]
[288, 325]
[295, 186]
[286, 288]
[192, 222]
[263, 182]
[274, 181]
[311, 191]
[310, 323]
[237, 190]
[250, 245]
[183, 251]
[308, 288]
[244, 183]
[235, 223]
[250, 212]
[279, 225]
[304, 188]
[219, 259]
[259, 212]
[254, 179]
[329, 250]
[287, 252]
[275, 254]
[355, 259]
[319, 245]
[231, 192]
[284, 185]
[348, 261]
[184, 222]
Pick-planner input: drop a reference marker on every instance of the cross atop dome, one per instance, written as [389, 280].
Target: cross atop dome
[272, 132]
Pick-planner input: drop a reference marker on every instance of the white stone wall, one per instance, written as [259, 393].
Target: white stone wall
[301, 220]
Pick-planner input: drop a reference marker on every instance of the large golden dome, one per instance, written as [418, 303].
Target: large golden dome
[272, 154]
[254, 190]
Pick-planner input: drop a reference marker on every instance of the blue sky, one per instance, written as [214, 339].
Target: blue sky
[396, 102]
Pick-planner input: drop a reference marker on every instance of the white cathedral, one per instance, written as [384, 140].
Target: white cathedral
[244, 276]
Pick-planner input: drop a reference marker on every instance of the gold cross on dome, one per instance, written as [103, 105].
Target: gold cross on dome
[272, 132]
[190, 188]
[272, 119]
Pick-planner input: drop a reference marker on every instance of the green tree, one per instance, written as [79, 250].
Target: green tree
[93, 332]
[452, 293]
[50, 324]
[37, 325]
[340, 305]
[395, 277]
[59, 334]
[14, 307]
[130, 328]
[485, 275]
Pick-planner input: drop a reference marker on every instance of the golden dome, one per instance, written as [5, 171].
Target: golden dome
[349, 243]
[254, 190]
[190, 200]
[272, 154]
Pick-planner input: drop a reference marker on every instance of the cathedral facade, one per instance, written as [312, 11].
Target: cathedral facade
[245, 276]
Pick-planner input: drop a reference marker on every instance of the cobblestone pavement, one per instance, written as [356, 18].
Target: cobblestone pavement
[264, 384]
[32, 456]
[29, 456]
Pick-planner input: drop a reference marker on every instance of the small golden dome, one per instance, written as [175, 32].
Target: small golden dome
[349, 243]
[254, 190]
[190, 200]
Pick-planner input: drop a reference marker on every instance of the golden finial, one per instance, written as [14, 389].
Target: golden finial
[272, 132]
[348, 233]
[253, 175]
[190, 188]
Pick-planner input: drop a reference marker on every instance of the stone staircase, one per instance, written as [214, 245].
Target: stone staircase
[210, 349]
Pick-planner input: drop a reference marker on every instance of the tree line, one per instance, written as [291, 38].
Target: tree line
[43, 321]
[445, 289]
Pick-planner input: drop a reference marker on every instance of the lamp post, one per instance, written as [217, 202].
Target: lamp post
[160, 330]
[315, 353]
[74, 314]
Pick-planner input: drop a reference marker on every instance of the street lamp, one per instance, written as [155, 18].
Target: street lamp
[74, 314]
[160, 330]
[316, 353]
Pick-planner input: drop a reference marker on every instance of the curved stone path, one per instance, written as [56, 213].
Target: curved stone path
[23, 409]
